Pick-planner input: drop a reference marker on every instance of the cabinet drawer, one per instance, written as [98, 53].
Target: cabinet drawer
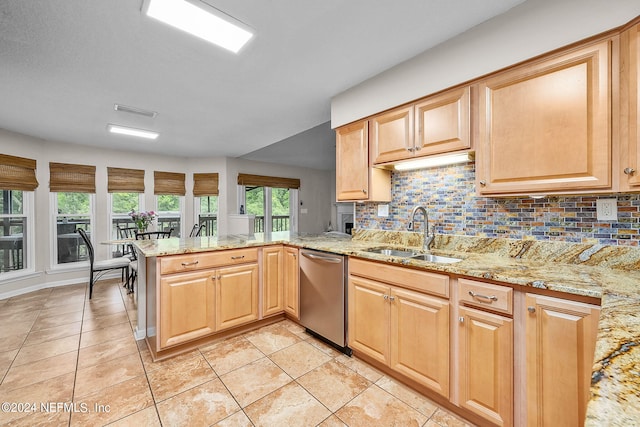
[408, 278]
[485, 295]
[201, 260]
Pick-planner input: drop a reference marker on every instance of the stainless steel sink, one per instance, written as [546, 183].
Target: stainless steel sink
[392, 252]
[436, 258]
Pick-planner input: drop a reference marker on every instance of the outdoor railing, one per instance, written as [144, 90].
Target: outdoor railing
[278, 223]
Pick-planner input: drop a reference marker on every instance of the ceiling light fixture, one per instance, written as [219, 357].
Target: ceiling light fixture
[135, 110]
[124, 130]
[429, 162]
[201, 20]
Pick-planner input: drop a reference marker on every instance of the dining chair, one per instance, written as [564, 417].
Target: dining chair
[199, 232]
[194, 230]
[98, 268]
[133, 265]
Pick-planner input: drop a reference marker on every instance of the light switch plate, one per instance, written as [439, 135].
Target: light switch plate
[383, 210]
[607, 209]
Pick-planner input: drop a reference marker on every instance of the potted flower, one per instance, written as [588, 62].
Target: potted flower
[142, 219]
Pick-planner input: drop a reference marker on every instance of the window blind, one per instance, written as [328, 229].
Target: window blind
[125, 180]
[17, 173]
[267, 181]
[169, 183]
[205, 184]
[65, 177]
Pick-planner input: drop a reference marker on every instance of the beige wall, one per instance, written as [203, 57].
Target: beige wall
[315, 193]
[529, 29]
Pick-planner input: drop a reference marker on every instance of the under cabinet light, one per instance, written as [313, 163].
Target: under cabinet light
[201, 20]
[429, 162]
[124, 130]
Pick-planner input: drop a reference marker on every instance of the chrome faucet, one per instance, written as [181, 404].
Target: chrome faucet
[428, 239]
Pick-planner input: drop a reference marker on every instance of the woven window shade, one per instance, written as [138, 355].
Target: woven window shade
[64, 177]
[17, 173]
[125, 180]
[267, 181]
[205, 184]
[169, 183]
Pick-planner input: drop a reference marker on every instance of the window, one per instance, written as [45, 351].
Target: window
[169, 189]
[16, 224]
[272, 200]
[208, 214]
[72, 197]
[125, 187]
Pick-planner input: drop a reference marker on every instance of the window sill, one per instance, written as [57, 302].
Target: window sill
[16, 276]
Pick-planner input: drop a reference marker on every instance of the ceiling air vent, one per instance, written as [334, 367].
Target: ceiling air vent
[134, 110]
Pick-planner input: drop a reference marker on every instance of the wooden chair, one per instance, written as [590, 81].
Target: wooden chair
[98, 268]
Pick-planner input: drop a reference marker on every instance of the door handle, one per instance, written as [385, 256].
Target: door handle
[330, 259]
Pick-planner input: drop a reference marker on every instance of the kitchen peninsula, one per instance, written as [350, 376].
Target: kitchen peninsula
[583, 272]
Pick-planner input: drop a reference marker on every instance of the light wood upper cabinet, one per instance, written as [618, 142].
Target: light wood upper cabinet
[236, 295]
[629, 170]
[392, 135]
[434, 125]
[355, 179]
[187, 307]
[545, 126]
[560, 343]
[443, 122]
[272, 280]
[291, 282]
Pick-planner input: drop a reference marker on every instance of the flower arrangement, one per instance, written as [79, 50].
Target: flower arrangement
[142, 219]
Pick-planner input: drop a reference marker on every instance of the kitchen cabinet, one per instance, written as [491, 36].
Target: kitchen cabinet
[355, 179]
[434, 125]
[629, 169]
[204, 293]
[187, 308]
[485, 351]
[291, 282]
[236, 295]
[405, 330]
[272, 280]
[545, 126]
[560, 344]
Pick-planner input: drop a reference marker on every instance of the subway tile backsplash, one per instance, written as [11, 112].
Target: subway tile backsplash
[449, 195]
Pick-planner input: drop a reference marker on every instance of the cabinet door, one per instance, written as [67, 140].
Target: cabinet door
[443, 123]
[560, 342]
[630, 109]
[272, 281]
[420, 338]
[392, 135]
[187, 307]
[485, 365]
[352, 161]
[546, 126]
[369, 318]
[236, 295]
[291, 282]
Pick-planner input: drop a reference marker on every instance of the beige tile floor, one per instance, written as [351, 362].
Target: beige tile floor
[70, 361]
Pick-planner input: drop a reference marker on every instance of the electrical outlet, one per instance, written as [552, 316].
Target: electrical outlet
[383, 210]
[607, 209]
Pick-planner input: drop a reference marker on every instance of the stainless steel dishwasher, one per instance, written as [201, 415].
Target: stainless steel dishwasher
[323, 296]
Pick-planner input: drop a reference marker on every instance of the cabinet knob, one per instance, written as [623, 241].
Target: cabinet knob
[418, 148]
[411, 149]
[531, 309]
[461, 319]
[385, 296]
[392, 298]
[364, 191]
[629, 171]
[483, 182]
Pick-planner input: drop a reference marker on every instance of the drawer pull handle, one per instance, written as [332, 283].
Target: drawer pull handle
[491, 298]
[187, 264]
[237, 257]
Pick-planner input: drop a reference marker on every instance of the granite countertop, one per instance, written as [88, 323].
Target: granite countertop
[607, 272]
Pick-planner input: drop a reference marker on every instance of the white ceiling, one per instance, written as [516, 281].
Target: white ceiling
[65, 63]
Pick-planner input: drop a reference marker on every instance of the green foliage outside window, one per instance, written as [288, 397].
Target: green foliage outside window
[123, 203]
[209, 204]
[168, 203]
[73, 203]
[11, 202]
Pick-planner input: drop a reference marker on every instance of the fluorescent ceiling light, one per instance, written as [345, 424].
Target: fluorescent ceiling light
[135, 110]
[429, 162]
[201, 20]
[124, 130]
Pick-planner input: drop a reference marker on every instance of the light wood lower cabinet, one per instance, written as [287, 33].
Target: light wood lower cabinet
[272, 280]
[560, 343]
[236, 296]
[187, 308]
[485, 365]
[405, 330]
[291, 282]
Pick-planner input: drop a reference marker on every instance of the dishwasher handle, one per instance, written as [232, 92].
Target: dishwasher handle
[330, 259]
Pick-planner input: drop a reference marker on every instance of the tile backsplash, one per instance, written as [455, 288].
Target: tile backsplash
[449, 195]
